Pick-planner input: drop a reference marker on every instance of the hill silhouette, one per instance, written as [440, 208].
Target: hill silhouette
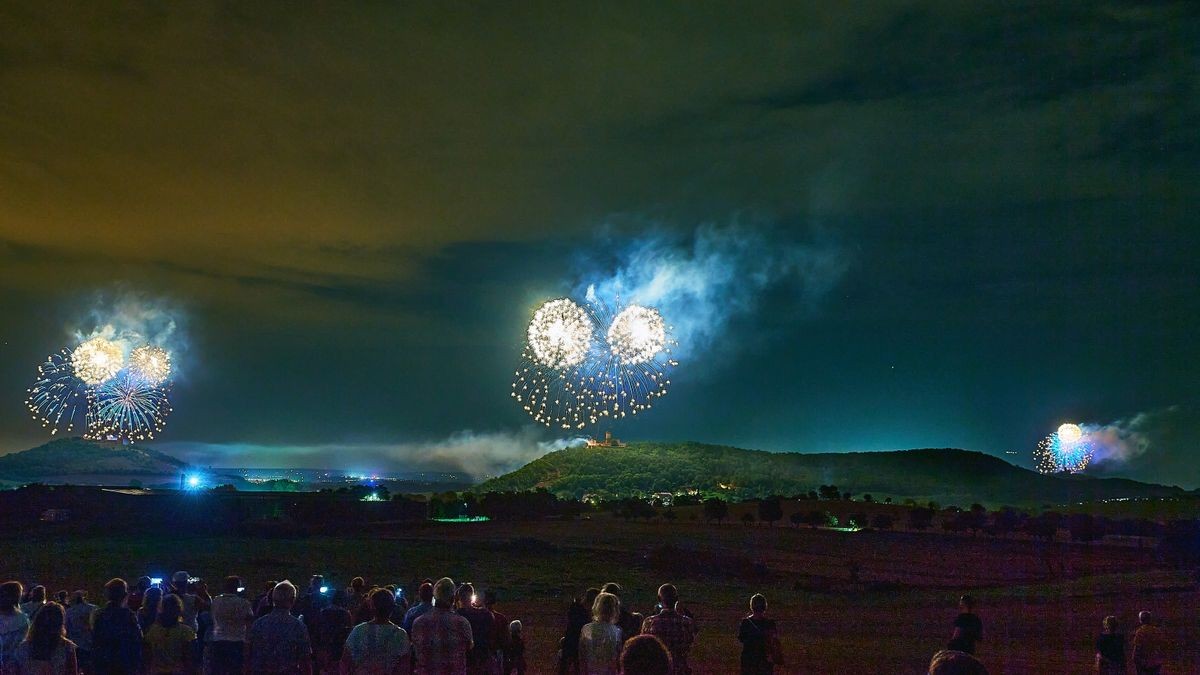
[73, 457]
[945, 475]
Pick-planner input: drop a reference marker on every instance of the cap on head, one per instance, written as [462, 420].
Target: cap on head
[1145, 617]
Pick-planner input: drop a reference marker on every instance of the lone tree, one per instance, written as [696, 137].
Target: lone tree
[816, 518]
[715, 509]
[770, 510]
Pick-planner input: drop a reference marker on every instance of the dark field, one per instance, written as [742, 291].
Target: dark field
[1041, 603]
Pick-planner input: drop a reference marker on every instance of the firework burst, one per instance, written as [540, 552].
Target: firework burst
[1067, 450]
[97, 360]
[152, 364]
[560, 334]
[618, 368]
[129, 408]
[58, 399]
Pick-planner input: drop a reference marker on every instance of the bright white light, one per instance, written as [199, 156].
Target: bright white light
[637, 334]
[97, 360]
[153, 364]
[193, 481]
[560, 333]
[1069, 433]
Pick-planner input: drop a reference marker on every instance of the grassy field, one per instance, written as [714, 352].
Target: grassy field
[865, 602]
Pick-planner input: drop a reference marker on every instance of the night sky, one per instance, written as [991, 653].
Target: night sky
[890, 224]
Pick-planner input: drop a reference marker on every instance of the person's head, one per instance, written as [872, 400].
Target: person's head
[115, 591]
[315, 582]
[358, 584]
[611, 587]
[1110, 624]
[152, 601]
[382, 602]
[668, 595]
[37, 593]
[172, 609]
[143, 584]
[46, 630]
[489, 598]
[425, 592]
[514, 629]
[231, 584]
[466, 595]
[79, 597]
[284, 594]
[61, 597]
[443, 593]
[10, 596]
[645, 655]
[966, 603]
[179, 581]
[758, 603]
[606, 608]
[950, 662]
[589, 596]
[1145, 618]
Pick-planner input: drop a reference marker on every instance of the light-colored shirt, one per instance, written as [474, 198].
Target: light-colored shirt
[441, 640]
[57, 664]
[79, 624]
[168, 647]
[231, 615]
[377, 647]
[12, 630]
[600, 649]
[676, 631]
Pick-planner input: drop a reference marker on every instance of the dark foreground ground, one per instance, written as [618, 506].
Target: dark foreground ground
[1041, 603]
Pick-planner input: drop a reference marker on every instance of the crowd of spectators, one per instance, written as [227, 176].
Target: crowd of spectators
[179, 627]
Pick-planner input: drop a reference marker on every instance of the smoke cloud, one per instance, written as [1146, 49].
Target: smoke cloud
[478, 455]
[132, 319]
[702, 280]
[1127, 439]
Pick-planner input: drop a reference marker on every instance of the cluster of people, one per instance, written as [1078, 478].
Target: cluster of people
[157, 629]
[181, 628]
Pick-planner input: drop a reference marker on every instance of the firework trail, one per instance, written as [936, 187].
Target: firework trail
[586, 363]
[128, 408]
[58, 398]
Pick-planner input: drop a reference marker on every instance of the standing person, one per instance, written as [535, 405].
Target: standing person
[37, 598]
[579, 614]
[13, 625]
[79, 628]
[356, 594]
[46, 650]
[138, 593]
[968, 628]
[378, 647]
[231, 618]
[481, 629]
[278, 642]
[262, 603]
[760, 641]
[1110, 649]
[334, 626]
[441, 638]
[600, 641]
[1149, 646]
[181, 587]
[309, 607]
[151, 605]
[674, 629]
[425, 595]
[646, 655]
[116, 636]
[499, 630]
[630, 621]
[514, 650]
[169, 641]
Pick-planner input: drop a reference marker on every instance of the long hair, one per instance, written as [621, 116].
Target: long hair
[151, 605]
[47, 631]
[172, 609]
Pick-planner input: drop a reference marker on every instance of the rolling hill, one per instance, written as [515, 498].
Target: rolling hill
[68, 459]
[946, 475]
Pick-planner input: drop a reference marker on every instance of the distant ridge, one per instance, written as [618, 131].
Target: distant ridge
[946, 475]
[73, 457]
